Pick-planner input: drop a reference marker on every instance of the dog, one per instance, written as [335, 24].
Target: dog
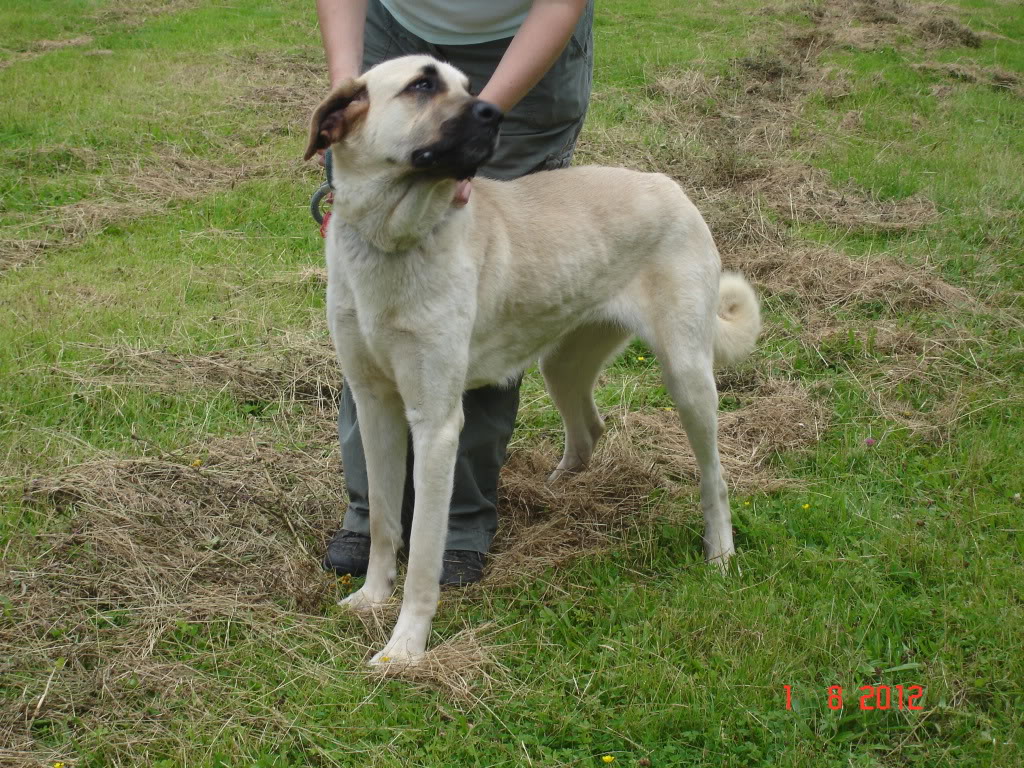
[426, 300]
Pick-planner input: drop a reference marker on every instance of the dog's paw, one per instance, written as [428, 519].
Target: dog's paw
[396, 656]
[722, 561]
[555, 476]
[563, 473]
[364, 600]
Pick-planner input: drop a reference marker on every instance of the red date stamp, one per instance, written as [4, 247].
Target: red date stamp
[871, 697]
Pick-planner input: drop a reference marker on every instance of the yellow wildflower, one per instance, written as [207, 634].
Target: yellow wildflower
[746, 503]
[197, 463]
[58, 765]
[639, 359]
[806, 506]
[608, 759]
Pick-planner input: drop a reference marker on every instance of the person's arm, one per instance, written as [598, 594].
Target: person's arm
[341, 29]
[535, 47]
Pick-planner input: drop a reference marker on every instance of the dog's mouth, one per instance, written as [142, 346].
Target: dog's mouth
[467, 142]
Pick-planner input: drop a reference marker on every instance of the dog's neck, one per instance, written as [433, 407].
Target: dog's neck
[392, 215]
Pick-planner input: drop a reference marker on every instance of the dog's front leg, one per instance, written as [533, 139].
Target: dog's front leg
[383, 428]
[435, 443]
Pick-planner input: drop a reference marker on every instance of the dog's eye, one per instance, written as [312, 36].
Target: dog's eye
[424, 85]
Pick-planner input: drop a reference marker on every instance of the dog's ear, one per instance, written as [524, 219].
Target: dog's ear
[336, 115]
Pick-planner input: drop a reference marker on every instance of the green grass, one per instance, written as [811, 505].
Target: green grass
[896, 563]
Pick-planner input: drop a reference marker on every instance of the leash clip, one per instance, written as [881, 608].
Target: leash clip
[323, 194]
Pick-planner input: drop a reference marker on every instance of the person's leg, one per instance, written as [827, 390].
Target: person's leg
[490, 418]
[348, 551]
[538, 134]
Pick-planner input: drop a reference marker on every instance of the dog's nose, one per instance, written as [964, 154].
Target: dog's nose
[486, 113]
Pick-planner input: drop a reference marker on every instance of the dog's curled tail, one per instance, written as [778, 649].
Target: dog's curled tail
[739, 319]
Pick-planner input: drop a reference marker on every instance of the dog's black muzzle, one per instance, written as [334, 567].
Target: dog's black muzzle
[467, 142]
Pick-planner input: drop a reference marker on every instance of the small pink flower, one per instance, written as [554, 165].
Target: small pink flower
[869, 441]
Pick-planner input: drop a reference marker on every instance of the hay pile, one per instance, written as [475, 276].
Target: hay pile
[544, 525]
[135, 550]
[293, 370]
[731, 142]
[276, 89]
[822, 280]
[870, 24]
[463, 667]
[135, 187]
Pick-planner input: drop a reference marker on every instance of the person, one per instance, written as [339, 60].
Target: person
[534, 60]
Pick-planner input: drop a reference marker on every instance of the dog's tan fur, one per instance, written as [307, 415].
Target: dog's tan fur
[426, 301]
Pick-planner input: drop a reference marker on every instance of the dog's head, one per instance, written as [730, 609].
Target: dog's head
[413, 114]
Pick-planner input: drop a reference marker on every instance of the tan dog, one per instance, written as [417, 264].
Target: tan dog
[425, 301]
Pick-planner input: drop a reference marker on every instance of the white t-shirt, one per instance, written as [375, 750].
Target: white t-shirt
[459, 22]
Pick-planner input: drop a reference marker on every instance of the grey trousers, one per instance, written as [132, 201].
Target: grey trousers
[538, 134]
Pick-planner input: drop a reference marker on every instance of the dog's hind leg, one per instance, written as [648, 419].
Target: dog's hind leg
[692, 386]
[681, 335]
[570, 371]
[384, 430]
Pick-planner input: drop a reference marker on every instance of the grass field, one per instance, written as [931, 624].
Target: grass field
[168, 470]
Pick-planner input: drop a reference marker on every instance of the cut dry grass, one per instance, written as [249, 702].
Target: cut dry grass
[131, 15]
[40, 47]
[882, 339]
[869, 24]
[800, 194]
[996, 78]
[289, 85]
[232, 531]
[158, 526]
[890, 362]
[294, 369]
[733, 138]
[752, 190]
[15, 251]
[113, 15]
[169, 548]
[947, 32]
[548, 524]
[464, 667]
[140, 550]
[821, 280]
[278, 89]
[133, 189]
[734, 150]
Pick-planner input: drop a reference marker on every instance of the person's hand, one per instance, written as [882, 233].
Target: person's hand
[462, 190]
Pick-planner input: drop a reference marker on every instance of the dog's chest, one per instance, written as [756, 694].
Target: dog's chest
[393, 305]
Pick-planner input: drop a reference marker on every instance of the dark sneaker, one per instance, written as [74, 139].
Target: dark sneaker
[461, 567]
[348, 552]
